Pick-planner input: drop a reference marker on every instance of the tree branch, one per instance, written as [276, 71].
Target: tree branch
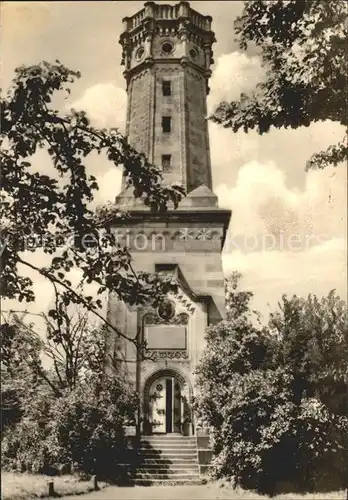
[80, 299]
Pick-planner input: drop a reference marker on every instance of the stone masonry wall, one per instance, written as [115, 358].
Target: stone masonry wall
[140, 101]
[188, 141]
[168, 143]
[198, 169]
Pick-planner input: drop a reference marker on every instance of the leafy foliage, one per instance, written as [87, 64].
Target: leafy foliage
[313, 343]
[72, 418]
[49, 210]
[303, 48]
[78, 432]
[72, 347]
[20, 353]
[278, 395]
[237, 301]
[87, 431]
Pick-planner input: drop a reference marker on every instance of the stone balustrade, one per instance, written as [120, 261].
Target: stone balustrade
[167, 12]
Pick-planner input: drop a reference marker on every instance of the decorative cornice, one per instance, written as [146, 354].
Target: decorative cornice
[186, 218]
[173, 13]
[154, 319]
[199, 215]
[186, 303]
[165, 354]
[151, 61]
[160, 19]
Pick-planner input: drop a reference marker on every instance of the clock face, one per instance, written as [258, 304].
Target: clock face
[194, 53]
[139, 53]
[167, 47]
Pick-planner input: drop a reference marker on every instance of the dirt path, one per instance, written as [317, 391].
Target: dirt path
[157, 493]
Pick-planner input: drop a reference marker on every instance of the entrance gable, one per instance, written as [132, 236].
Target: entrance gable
[169, 337]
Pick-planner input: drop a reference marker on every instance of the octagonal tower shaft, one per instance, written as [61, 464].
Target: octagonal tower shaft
[167, 53]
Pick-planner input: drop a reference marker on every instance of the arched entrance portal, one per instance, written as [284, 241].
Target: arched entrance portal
[166, 404]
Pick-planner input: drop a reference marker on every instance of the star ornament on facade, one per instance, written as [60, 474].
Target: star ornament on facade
[186, 234]
[204, 234]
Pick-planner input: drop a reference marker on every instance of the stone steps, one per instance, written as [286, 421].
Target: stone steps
[170, 470]
[168, 437]
[165, 474]
[167, 446]
[170, 466]
[165, 482]
[168, 451]
[168, 454]
[167, 459]
[159, 445]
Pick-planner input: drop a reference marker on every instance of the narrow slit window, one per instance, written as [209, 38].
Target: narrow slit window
[166, 163]
[167, 87]
[166, 123]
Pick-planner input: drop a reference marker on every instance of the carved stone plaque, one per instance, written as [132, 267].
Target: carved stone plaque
[166, 337]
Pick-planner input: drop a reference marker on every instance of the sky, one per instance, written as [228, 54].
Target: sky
[288, 230]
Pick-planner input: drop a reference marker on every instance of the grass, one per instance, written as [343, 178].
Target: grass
[247, 495]
[240, 494]
[16, 486]
[334, 495]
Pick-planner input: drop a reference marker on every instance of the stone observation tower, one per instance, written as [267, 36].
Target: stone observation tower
[167, 54]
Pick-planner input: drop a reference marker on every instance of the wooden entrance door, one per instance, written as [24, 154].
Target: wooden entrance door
[158, 402]
[165, 405]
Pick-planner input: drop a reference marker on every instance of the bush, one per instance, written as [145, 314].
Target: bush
[24, 446]
[275, 397]
[80, 432]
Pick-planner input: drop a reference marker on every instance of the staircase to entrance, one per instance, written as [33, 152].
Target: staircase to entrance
[167, 458]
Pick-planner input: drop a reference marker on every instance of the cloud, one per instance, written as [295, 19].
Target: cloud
[233, 74]
[262, 203]
[289, 228]
[237, 73]
[105, 105]
[286, 240]
[269, 275]
[109, 185]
